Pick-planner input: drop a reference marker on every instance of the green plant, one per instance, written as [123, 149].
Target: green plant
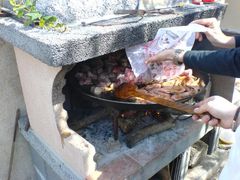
[32, 17]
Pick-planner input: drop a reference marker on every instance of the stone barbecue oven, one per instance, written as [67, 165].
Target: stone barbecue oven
[43, 59]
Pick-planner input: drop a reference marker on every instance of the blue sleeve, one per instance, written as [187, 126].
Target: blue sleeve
[222, 62]
[237, 40]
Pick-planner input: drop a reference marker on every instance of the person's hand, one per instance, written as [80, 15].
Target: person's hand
[214, 33]
[221, 109]
[166, 55]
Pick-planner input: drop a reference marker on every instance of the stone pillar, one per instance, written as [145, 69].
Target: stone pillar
[42, 90]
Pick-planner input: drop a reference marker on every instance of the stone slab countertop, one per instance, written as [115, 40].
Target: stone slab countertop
[154, 153]
[139, 162]
[80, 43]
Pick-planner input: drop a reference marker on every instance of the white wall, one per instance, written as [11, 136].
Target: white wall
[11, 99]
[232, 16]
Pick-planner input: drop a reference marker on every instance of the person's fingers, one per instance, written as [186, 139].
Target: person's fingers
[213, 122]
[202, 108]
[195, 117]
[197, 105]
[210, 33]
[205, 22]
[153, 59]
[200, 103]
[198, 36]
[162, 56]
[205, 118]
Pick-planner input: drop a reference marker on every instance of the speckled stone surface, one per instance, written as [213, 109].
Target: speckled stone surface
[53, 162]
[153, 153]
[70, 10]
[80, 43]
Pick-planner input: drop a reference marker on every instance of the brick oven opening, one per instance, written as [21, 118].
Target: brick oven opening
[110, 127]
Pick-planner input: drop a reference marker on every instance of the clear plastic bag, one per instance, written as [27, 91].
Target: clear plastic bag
[180, 37]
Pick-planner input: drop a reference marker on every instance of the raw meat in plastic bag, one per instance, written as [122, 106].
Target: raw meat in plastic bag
[180, 37]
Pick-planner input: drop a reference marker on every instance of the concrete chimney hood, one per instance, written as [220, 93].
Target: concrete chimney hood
[42, 57]
[80, 43]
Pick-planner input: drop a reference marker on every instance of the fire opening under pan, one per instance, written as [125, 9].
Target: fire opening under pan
[113, 126]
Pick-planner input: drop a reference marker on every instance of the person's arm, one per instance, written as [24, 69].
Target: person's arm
[222, 62]
[237, 41]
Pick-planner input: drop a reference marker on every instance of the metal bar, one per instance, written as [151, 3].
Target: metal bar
[13, 143]
[97, 22]
[114, 115]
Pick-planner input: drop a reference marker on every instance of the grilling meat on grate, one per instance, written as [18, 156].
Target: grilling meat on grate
[105, 73]
[175, 89]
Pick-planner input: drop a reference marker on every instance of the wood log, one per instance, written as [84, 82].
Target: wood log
[135, 137]
[89, 119]
[127, 124]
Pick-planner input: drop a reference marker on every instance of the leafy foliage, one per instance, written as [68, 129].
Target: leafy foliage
[32, 17]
